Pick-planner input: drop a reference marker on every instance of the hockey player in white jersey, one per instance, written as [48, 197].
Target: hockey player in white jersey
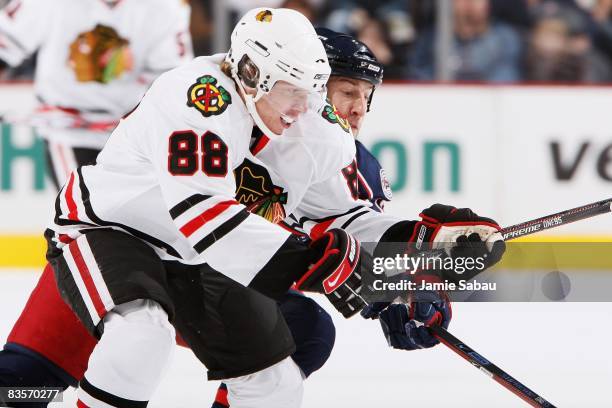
[324, 146]
[95, 60]
[351, 199]
[143, 237]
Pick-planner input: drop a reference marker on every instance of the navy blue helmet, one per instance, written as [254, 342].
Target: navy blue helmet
[351, 58]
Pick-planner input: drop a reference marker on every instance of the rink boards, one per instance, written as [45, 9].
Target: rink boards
[511, 152]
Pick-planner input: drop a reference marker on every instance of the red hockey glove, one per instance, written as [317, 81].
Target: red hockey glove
[336, 271]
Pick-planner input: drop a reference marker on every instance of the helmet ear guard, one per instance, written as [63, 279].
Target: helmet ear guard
[248, 72]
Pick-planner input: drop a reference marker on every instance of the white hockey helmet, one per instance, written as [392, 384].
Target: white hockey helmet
[284, 46]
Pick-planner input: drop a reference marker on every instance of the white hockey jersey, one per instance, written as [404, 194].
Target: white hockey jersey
[95, 58]
[272, 184]
[171, 171]
[276, 174]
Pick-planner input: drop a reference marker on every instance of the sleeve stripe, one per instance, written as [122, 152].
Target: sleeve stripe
[221, 231]
[353, 218]
[302, 220]
[14, 41]
[186, 204]
[209, 214]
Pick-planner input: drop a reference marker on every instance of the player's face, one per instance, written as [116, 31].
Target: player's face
[350, 97]
[282, 106]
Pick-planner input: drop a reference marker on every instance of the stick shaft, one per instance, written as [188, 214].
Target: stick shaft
[509, 233]
[556, 220]
[489, 368]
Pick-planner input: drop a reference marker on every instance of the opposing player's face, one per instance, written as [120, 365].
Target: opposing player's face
[350, 97]
[282, 106]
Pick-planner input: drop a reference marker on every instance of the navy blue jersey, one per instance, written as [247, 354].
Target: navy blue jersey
[373, 183]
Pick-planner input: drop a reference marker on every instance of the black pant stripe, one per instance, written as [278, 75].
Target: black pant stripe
[138, 234]
[186, 204]
[109, 398]
[70, 292]
[221, 231]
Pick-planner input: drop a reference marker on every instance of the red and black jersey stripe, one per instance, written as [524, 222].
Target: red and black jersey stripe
[221, 231]
[186, 204]
[189, 228]
[353, 218]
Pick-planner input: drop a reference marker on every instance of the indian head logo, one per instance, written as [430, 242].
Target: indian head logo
[264, 16]
[331, 114]
[258, 194]
[208, 97]
[100, 55]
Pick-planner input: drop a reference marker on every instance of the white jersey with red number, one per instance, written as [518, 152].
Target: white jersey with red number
[171, 170]
[333, 203]
[95, 58]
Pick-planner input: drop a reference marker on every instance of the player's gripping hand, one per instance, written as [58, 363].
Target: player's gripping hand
[337, 270]
[405, 325]
[460, 232]
[372, 310]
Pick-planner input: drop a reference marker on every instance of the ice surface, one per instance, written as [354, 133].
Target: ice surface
[560, 350]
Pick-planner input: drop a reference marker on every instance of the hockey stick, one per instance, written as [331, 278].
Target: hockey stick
[556, 220]
[510, 233]
[489, 368]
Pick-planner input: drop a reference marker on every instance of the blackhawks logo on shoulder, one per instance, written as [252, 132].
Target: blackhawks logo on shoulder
[331, 114]
[208, 97]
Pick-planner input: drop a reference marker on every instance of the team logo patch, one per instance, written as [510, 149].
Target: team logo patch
[331, 114]
[208, 97]
[264, 16]
[258, 194]
[100, 55]
[386, 186]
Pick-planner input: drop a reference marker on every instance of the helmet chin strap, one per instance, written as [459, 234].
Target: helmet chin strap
[249, 101]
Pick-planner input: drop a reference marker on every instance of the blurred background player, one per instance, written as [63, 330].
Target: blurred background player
[95, 60]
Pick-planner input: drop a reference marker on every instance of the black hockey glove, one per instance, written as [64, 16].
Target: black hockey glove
[405, 325]
[461, 234]
[336, 271]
